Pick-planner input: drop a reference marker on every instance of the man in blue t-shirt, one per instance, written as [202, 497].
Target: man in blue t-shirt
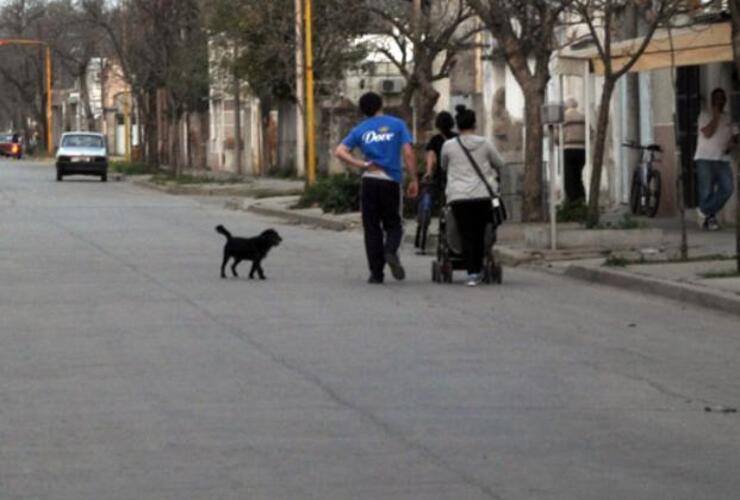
[383, 140]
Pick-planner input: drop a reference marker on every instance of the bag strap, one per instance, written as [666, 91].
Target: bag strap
[477, 168]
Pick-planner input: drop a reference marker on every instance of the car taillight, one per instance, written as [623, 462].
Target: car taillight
[15, 148]
[100, 159]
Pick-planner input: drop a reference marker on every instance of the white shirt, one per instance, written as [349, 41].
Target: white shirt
[715, 147]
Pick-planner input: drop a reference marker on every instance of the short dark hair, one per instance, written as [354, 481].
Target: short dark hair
[370, 104]
[444, 122]
[465, 118]
[719, 90]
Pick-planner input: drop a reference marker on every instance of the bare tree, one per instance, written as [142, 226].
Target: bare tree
[22, 69]
[527, 35]
[424, 47]
[162, 49]
[603, 19]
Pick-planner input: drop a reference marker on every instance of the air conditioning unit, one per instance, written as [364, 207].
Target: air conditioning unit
[392, 85]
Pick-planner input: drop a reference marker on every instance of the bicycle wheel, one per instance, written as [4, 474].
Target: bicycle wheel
[652, 193]
[635, 193]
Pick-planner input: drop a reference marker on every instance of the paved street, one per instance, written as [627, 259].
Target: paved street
[130, 370]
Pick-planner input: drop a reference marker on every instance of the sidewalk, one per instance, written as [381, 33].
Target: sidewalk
[709, 278]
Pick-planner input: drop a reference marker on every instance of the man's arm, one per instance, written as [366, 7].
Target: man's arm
[431, 160]
[343, 153]
[711, 128]
[410, 159]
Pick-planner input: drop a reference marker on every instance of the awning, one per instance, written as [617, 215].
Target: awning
[700, 44]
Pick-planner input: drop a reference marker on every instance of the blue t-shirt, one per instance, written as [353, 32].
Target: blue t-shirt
[381, 140]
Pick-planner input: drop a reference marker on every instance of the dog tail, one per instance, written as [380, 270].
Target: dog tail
[222, 230]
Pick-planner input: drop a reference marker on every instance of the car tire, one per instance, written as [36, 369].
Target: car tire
[59, 176]
[104, 178]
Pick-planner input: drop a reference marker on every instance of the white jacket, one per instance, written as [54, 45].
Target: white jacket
[463, 183]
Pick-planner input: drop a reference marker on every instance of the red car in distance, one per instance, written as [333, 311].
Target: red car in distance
[11, 145]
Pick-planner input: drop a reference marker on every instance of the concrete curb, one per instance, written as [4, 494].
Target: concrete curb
[300, 218]
[682, 292]
[219, 190]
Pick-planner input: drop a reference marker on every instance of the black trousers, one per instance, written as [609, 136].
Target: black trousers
[380, 201]
[574, 160]
[472, 216]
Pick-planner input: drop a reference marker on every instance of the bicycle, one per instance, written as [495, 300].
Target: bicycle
[645, 189]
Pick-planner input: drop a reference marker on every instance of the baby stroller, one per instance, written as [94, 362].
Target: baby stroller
[449, 252]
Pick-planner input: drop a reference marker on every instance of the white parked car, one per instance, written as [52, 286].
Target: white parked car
[82, 153]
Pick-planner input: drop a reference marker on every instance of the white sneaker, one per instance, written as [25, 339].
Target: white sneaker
[473, 280]
[701, 219]
[712, 224]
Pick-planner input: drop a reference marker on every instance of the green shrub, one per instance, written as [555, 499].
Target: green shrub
[576, 211]
[626, 222]
[132, 168]
[336, 194]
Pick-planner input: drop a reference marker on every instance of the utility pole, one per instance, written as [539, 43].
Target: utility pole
[238, 124]
[300, 131]
[49, 121]
[310, 111]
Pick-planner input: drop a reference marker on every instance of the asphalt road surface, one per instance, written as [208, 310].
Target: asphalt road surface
[130, 370]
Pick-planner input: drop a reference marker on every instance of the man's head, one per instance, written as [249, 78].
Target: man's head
[371, 104]
[719, 99]
[465, 118]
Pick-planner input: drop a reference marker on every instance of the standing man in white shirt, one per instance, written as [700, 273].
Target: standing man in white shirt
[714, 174]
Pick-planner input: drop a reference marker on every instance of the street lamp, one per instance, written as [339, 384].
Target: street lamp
[553, 116]
[49, 146]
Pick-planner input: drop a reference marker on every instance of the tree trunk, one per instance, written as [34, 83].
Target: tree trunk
[532, 204]
[735, 10]
[426, 101]
[602, 126]
[85, 98]
[151, 131]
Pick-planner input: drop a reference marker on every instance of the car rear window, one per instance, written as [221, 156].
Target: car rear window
[6, 138]
[82, 141]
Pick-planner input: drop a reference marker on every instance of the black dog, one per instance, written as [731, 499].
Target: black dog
[254, 249]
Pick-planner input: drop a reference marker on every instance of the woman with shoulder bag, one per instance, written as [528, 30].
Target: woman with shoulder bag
[472, 164]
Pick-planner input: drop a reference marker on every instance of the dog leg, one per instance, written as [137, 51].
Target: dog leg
[223, 264]
[233, 267]
[251, 271]
[260, 272]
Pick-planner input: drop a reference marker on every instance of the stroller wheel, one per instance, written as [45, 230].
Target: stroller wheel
[447, 272]
[497, 275]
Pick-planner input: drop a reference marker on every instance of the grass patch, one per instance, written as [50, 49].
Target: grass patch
[185, 179]
[720, 274]
[132, 168]
[627, 222]
[338, 194]
[616, 261]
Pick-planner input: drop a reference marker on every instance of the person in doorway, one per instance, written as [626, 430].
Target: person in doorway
[466, 191]
[715, 142]
[386, 143]
[574, 152]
